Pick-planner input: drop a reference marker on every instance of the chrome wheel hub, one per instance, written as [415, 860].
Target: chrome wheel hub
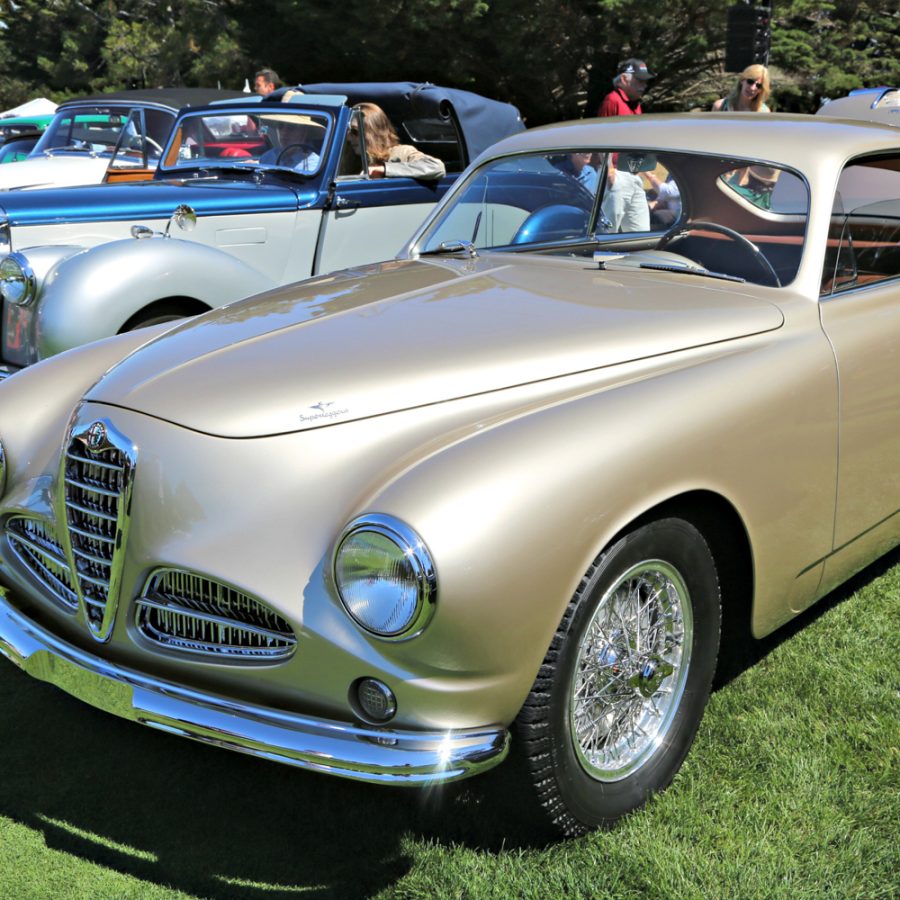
[631, 670]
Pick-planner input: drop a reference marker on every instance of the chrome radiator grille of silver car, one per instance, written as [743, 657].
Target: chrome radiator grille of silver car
[36, 547]
[98, 470]
[184, 611]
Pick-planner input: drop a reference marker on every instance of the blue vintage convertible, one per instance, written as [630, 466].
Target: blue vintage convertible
[250, 194]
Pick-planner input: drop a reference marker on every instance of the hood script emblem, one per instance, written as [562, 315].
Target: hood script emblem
[96, 437]
[322, 410]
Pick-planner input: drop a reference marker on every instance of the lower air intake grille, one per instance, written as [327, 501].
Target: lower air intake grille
[183, 611]
[35, 545]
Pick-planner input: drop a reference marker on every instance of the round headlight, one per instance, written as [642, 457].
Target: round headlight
[17, 282]
[385, 576]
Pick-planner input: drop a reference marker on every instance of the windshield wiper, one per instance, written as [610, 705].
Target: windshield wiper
[691, 270]
[458, 246]
[625, 261]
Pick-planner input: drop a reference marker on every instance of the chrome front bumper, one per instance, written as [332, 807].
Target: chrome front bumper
[358, 752]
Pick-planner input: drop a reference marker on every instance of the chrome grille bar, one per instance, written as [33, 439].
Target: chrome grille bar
[97, 473]
[34, 545]
[185, 611]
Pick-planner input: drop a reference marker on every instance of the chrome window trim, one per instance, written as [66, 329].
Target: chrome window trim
[858, 289]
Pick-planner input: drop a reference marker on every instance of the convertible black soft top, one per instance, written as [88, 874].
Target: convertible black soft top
[482, 121]
[173, 98]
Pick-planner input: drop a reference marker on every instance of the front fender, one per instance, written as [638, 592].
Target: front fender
[91, 295]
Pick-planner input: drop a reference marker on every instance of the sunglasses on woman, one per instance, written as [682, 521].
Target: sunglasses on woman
[751, 82]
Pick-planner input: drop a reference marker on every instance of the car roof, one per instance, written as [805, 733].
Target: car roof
[482, 121]
[173, 98]
[780, 138]
[881, 104]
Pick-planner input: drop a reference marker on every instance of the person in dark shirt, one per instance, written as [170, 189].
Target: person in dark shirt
[625, 201]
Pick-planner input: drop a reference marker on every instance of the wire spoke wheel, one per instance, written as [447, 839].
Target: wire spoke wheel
[631, 670]
[620, 694]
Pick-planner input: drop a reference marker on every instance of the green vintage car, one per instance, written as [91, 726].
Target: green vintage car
[19, 134]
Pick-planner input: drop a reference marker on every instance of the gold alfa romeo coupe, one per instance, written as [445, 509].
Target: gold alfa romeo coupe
[634, 385]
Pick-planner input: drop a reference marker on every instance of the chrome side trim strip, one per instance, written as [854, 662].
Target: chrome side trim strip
[361, 753]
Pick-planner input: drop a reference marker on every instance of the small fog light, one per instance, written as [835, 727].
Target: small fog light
[375, 700]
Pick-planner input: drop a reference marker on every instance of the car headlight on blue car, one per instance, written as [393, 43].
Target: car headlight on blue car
[17, 282]
[385, 577]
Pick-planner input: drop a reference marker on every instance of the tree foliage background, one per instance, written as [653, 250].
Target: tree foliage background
[553, 58]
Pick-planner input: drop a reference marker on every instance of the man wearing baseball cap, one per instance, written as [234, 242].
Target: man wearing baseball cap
[628, 88]
[625, 202]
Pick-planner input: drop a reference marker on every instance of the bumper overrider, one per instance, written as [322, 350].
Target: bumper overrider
[358, 752]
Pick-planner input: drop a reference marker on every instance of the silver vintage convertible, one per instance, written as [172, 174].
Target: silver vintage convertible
[509, 489]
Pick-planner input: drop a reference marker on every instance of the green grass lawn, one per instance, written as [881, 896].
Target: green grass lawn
[792, 790]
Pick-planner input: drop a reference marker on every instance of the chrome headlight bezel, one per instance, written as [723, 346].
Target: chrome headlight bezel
[23, 273]
[412, 554]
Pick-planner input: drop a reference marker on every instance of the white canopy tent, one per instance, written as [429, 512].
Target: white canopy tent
[37, 107]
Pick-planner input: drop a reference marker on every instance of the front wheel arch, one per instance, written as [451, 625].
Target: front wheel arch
[168, 309]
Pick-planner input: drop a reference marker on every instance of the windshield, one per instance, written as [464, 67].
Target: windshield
[291, 139]
[715, 212]
[90, 129]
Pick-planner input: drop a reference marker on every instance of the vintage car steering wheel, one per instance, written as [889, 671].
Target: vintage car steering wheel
[680, 231]
[290, 148]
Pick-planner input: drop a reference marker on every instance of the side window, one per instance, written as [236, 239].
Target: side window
[353, 149]
[864, 238]
[663, 198]
[436, 137]
[626, 204]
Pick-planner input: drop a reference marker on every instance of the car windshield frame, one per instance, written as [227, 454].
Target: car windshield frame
[540, 206]
[204, 140]
[62, 134]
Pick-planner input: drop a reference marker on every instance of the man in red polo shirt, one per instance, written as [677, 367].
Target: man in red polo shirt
[625, 202]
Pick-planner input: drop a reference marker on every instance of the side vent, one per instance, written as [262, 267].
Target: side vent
[183, 611]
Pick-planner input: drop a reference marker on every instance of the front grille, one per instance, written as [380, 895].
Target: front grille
[36, 546]
[183, 611]
[96, 484]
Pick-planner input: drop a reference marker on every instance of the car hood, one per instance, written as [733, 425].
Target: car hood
[57, 171]
[409, 333]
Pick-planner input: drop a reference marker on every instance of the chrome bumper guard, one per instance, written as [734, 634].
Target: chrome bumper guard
[336, 748]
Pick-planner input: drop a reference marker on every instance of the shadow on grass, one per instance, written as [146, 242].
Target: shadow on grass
[741, 651]
[191, 817]
[178, 814]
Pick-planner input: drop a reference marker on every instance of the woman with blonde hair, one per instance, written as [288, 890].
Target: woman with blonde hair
[749, 94]
[388, 158]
